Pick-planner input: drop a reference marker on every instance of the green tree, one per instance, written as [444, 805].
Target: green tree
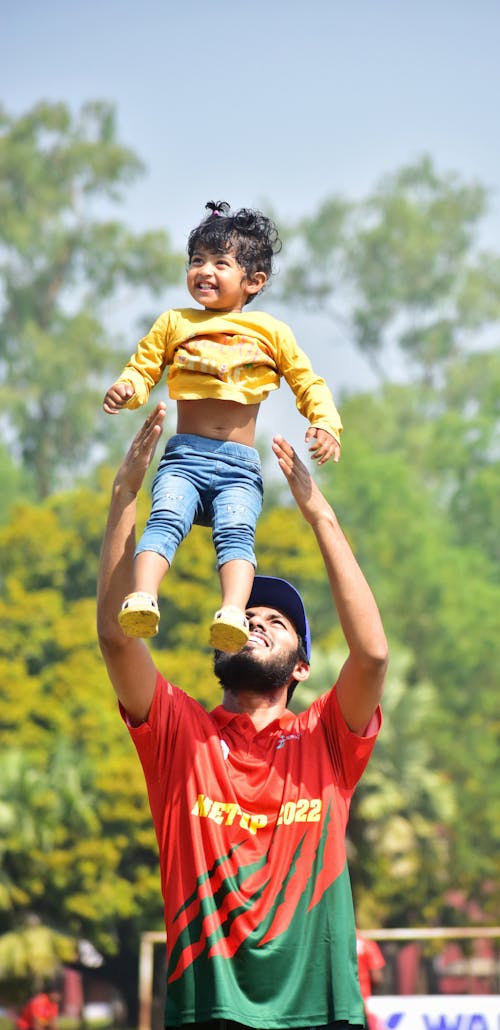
[403, 273]
[38, 808]
[401, 269]
[404, 807]
[16, 483]
[439, 595]
[63, 258]
[420, 278]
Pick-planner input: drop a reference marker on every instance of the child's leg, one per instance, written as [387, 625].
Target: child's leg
[236, 582]
[236, 509]
[229, 629]
[175, 500]
[139, 615]
[149, 570]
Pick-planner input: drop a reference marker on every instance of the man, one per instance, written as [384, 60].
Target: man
[250, 802]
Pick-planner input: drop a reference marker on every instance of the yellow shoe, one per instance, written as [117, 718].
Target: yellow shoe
[229, 630]
[139, 615]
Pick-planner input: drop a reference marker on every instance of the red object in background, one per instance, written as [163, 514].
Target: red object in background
[370, 963]
[408, 966]
[40, 1010]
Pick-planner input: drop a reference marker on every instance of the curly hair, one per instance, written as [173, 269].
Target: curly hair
[251, 235]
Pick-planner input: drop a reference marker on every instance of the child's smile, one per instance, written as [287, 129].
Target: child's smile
[217, 281]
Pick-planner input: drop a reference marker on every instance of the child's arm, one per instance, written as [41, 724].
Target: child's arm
[313, 397]
[117, 395]
[144, 370]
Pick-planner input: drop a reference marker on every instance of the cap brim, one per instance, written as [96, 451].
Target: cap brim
[272, 592]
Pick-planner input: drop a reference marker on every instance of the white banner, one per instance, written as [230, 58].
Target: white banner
[437, 1011]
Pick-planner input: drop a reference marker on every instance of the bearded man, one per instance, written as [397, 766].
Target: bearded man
[250, 802]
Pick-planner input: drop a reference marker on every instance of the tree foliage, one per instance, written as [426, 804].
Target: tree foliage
[439, 593]
[403, 273]
[16, 483]
[402, 268]
[62, 259]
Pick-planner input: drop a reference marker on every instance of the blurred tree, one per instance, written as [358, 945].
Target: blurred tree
[401, 268]
[30, 955]
[403, 272]
[419, 276]
[439, 595]
[402, 812]
[16, 483]
[61, 260]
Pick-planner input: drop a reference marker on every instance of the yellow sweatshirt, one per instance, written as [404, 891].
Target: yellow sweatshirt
[236, 356]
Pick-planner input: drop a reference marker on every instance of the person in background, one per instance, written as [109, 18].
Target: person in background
[370, 965]
[41, 1012]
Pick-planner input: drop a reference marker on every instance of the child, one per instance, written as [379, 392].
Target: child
[222, 363]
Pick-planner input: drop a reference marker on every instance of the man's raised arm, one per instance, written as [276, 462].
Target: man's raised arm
[130, 665]
[361, 680]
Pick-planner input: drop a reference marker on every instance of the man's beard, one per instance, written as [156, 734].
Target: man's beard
[244, 672]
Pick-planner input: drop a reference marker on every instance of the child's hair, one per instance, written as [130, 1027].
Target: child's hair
[251, 235]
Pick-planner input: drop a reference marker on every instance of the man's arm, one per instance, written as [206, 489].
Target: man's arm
[361, 680]
[130, 666]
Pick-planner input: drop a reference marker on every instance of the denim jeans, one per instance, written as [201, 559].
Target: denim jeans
[207, 482]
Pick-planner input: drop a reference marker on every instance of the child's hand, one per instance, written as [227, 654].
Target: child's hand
[324, 445]
[117, 395]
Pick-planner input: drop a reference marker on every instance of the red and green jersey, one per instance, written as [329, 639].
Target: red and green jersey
[251, 833]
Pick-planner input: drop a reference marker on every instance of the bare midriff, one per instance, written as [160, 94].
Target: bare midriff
[218, 420]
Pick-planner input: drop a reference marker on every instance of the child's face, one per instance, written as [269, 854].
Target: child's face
[218, 282]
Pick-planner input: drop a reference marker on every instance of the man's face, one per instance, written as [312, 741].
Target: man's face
[269, 657]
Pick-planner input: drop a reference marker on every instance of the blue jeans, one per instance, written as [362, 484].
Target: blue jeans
[207, 482]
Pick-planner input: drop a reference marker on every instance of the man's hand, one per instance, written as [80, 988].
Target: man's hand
[361, 679]
[130, 665]
[141, 451]
[324, 445]
[307, 495]
[117, 395]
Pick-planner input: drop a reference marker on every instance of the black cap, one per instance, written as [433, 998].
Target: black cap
[271, 592]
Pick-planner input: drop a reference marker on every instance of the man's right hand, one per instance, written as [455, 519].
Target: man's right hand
[141, 451]
[117, 395]
[129, 662]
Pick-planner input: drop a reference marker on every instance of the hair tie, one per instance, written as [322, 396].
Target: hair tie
[219, 208]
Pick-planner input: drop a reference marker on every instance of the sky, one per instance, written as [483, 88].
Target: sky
[278, 102]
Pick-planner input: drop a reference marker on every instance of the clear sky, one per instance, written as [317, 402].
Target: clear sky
[285, 101]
